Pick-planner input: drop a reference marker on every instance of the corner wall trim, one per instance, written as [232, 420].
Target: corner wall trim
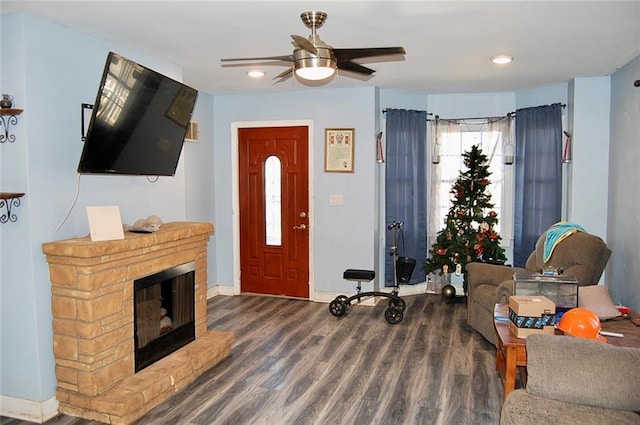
[28, 410]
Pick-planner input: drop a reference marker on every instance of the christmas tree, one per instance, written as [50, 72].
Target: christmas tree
[469, 234]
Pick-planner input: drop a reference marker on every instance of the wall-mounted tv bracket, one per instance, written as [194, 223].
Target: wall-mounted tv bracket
[85, 109]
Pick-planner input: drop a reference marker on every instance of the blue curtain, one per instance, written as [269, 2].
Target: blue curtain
[406, 188]
[538, 176]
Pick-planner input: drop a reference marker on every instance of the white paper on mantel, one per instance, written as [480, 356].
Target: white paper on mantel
[105, 223]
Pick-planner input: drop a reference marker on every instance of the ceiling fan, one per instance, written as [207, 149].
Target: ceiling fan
[313, 59]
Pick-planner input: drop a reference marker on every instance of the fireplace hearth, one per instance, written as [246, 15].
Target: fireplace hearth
[94, 298]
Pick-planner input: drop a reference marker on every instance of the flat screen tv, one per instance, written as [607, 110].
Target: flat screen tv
[138, 123]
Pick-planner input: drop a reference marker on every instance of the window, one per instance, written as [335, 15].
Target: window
[273, 200]
[450, 139]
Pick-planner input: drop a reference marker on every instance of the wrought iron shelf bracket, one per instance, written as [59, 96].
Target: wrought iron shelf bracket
[8, 117]
[8, 201]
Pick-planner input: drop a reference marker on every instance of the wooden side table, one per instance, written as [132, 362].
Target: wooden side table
[511, 353]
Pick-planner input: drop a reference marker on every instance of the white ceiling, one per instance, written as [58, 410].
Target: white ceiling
[448, 43]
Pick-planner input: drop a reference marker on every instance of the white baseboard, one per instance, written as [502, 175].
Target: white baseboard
[321, 297]
[225, 290]
[220, 290]
[28, 410]
[327, 297]
[212, 292]
[417, 289]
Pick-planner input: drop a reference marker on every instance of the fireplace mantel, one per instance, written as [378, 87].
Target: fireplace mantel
[86, 248]
[92, 306]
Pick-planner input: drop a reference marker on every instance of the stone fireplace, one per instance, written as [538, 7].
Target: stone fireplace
[95, 333]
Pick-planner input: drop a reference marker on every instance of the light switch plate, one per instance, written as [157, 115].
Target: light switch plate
[336, 199]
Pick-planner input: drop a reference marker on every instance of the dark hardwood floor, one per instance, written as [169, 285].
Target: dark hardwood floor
[294, 363]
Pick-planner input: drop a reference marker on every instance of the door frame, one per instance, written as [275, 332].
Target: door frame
[235, 193]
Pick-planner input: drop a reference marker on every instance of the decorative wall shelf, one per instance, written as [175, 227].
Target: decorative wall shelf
[7, 201]
[8, 117]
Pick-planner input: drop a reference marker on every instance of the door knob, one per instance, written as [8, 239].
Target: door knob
[301, 227]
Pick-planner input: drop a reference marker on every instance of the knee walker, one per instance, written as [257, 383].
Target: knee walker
[395, 310]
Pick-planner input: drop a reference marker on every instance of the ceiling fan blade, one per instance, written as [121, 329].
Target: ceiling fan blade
[345, 55]
[355, 67]
[286, 58]
[287, 73]
[305, 44]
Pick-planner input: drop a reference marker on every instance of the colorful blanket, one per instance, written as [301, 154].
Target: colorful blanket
[556, 234]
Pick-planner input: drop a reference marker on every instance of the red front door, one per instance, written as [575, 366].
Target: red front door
[274, 210]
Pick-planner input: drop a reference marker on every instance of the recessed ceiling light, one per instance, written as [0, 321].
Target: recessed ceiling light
[501, 59]
[255, 74]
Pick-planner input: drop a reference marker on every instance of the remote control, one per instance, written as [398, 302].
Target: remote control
[634, 317]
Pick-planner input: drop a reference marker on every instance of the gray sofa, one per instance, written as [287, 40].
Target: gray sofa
[581, 255]
[576, 381]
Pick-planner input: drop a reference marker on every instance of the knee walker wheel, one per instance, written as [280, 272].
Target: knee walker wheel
[393, 315]
[338, 307]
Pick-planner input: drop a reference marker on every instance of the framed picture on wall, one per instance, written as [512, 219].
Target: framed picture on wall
[338, 150]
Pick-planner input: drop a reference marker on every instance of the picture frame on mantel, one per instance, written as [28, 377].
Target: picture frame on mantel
[339, 150]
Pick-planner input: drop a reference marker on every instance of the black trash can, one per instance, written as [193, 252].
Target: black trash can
[404, 269]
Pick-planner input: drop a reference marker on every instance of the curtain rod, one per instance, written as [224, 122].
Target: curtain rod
[510, 114]
[384, 111]
[437, 117]
[473, 118]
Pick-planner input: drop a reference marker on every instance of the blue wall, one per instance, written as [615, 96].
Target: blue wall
[343, 235]
[199, 176]
[623, 220]
[589, 105]
[51, 71]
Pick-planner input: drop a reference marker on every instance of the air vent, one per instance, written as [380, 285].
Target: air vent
[193, 132]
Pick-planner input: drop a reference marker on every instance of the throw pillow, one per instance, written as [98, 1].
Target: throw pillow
[596, 298]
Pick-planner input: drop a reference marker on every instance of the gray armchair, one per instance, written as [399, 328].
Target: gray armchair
[581, 255]
[576, 381]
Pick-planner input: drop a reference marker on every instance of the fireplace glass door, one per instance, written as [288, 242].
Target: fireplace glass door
[163, 313]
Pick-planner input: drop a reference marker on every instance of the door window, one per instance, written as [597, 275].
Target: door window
[273, 201]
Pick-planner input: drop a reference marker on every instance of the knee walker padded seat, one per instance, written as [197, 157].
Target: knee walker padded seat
[359, 275]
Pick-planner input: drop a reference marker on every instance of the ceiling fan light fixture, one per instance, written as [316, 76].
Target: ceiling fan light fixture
[315, 69]
[315, 73]
[501, 59]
